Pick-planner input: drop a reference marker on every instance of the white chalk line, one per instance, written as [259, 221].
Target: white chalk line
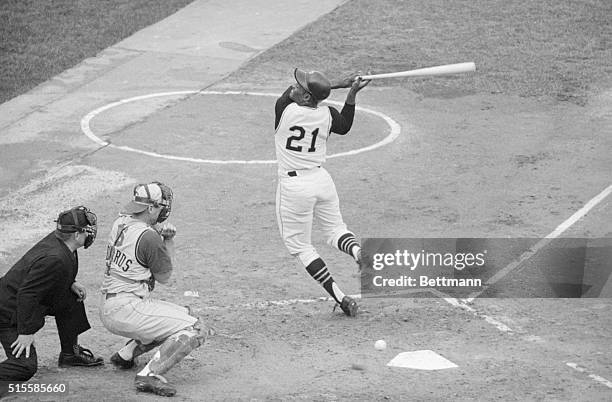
[592, 376]
[458, 303]
[274, 303]
[283, 303]
[464, 303]
[86, 128]
[559, 230]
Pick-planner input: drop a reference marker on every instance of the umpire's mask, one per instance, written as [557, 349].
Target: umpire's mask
[79, 219]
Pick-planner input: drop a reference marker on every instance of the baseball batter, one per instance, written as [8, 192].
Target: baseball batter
[137, 256]
[305, 189]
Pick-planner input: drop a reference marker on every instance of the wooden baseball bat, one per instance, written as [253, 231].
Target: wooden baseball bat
[437, 70]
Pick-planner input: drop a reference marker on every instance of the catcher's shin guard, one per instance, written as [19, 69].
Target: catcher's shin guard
[174, 349]
[141, 348]
[134, 348]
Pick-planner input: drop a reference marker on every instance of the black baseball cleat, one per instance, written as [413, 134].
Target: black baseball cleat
[155, 384]
[121, 363]
[80, 357]
[349, 306]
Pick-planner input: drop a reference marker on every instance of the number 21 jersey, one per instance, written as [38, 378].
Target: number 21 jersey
[301, 137]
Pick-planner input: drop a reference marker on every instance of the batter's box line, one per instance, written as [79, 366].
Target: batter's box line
[592, 376]
[463, 305]
[290, 302]
[273, 303]
[283, 303]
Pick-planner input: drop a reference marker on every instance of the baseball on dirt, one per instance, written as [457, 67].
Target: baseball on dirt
[380, 345]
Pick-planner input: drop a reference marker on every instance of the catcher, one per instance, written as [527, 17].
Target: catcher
[139, 253]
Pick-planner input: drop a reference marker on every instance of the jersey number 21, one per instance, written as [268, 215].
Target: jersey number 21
[302, 133]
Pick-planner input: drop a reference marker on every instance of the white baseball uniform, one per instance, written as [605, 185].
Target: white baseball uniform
[305, 189]
[134, 251]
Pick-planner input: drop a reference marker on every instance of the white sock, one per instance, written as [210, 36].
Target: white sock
[127, 352]
[356, 251]
[337, 292]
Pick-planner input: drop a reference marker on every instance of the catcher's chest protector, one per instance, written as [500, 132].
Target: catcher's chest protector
[124, 271]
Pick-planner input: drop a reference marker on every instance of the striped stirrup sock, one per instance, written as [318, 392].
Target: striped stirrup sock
[349, 245]
[319, 272]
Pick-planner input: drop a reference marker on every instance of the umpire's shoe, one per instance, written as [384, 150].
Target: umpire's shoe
[79, 357]
[120, 362]
[155, 384]
[349, 306]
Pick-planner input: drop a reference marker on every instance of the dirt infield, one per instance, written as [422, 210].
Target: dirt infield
[424, 184]
[466, 164]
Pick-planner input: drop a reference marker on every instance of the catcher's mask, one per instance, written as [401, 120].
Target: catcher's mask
[79, 219]
[154, 194]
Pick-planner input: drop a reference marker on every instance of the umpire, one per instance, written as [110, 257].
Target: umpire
[41, 283]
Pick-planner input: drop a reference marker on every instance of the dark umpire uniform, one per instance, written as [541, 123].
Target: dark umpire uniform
[43, 283]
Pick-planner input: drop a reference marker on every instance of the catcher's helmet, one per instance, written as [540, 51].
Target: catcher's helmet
[313, 82]
[154, 194]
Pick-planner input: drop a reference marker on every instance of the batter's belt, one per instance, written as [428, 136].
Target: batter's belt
[294, 173]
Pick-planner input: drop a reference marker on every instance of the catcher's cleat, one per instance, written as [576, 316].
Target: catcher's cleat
[349, 306]
[121, 363]
[155, 384]
[81, 357]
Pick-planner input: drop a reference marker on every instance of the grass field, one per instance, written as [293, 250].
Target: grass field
[559, 49]
[564, 45]
[39, 39]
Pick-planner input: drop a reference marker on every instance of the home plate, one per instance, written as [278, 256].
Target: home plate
[421, 360]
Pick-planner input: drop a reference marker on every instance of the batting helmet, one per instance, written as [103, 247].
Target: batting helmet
[313, 82]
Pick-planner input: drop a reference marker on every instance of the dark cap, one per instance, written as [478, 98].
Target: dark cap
[75, 220]
[314, 82]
